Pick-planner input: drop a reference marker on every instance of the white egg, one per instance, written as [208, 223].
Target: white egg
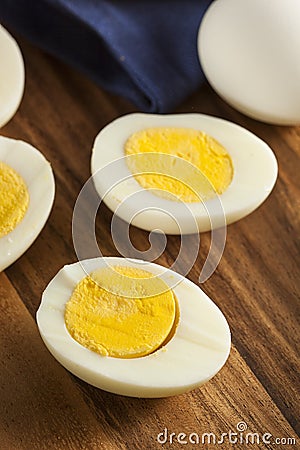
[12, 76]
[196, 352]
[254, 175]
[36, 171]
[249, 51]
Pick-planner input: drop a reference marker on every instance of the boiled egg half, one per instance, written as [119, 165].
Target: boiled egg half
[26, 197]
[132, 327]
[181, 173]
[12, 76]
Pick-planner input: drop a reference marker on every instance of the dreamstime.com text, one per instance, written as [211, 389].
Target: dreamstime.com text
[240, 436]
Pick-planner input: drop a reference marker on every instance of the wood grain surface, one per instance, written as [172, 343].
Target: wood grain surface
[256, 285]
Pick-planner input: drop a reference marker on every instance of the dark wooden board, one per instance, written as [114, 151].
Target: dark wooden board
[256, 285]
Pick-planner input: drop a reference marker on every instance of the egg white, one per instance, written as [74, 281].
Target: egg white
[38, 176]
[248, 62]
[254, 164]
[12, 76]
[197, 351]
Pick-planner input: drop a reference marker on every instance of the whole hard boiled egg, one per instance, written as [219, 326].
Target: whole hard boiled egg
[181, 173]
[249, 51]
[26, 197]
[132, 327]
[12, 76]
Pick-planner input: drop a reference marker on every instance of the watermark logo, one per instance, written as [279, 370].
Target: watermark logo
[241, 435]
[119, 189]
[241, 426]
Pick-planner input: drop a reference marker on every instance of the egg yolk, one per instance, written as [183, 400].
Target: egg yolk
[183, 181]
[122, 312]
[14, 199]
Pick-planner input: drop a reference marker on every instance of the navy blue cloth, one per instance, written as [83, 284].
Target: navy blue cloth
[144, 50]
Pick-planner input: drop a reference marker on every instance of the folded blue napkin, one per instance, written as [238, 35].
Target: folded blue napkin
[143, 50]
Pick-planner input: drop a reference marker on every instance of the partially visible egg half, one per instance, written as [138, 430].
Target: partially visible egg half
[181, 173]
[132, 327]
[12, 76]
[249, 51]
[26, 197]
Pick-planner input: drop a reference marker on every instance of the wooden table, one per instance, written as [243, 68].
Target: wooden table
[43, 406]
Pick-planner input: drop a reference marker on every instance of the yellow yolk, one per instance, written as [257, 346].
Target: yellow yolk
[122, 312]
[14, 199]
[183, 181]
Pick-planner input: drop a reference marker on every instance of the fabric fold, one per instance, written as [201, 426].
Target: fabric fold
[145, 51]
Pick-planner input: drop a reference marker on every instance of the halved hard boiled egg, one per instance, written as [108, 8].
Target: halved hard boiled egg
[26, 197]
[132, 327]
[181, 173]
[12, 76]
